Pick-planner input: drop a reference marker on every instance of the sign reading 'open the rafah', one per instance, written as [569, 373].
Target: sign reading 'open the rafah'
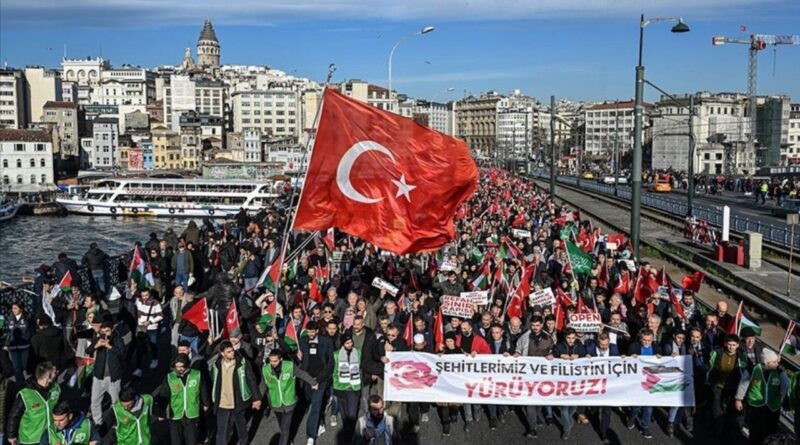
[492, 379]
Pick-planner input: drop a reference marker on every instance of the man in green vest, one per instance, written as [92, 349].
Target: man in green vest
[234, 390]
[32, 410]
[70, 428]
[763, 391]
[280, 378]
[131, 416]
[187, 395]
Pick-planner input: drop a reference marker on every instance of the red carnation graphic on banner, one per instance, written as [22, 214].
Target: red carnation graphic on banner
[408, 374]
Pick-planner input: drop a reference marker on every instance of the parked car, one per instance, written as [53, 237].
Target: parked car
[787, 206]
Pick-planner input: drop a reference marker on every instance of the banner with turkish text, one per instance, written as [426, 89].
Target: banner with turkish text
[499, 380]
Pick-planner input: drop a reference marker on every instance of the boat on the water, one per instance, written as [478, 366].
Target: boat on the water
[8, 209]
[169, 197]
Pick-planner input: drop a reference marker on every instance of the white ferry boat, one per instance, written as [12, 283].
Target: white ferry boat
[169, 197]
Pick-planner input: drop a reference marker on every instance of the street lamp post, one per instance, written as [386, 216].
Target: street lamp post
[422, 31]
[636, 170]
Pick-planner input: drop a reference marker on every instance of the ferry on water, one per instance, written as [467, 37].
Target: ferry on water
[168, 197]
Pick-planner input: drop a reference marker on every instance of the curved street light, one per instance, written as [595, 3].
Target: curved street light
[425, 30]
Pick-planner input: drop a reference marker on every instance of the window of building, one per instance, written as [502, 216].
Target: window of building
[6, 180]
[33, 162]
[44, 179]
[19, 179]
[19, 147]
[5, 163]
[33, 179]
[19, 163]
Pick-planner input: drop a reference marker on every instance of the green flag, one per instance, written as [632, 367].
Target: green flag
[580, 261]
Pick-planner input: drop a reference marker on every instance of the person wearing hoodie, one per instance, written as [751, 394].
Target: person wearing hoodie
[48, 343]
[171, 239]
[95, 259]
[152, 243]
[191, 234]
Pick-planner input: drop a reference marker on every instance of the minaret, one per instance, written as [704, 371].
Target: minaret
[208, 47]
[188, 60]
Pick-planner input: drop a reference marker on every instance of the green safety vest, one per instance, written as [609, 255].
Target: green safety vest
[132, 430]
[347, 377]
[37, 416]
[80, 436]
[184, 399]
[240, 374]
[282, 391]
[763, 392]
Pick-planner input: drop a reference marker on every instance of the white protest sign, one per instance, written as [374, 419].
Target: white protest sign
[611, 246]
[380, 283]
[519, 233]
[477, 297]
[498, 380]
[586, 322]
[631, 265]
[663, 292]
[455, 306]
[448, 265]
[544, 297]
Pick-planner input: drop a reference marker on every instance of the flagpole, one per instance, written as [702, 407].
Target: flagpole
[788, 334]
[290, 221]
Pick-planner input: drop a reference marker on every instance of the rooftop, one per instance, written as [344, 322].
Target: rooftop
[208, 32]
[60, 104]
[24, 135]
[615, 105]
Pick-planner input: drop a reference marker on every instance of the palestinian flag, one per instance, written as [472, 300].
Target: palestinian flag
[580, 261]
[268, 317]
[291, 270]
[140, 271]
[270, 278]
[291, 336]
[481, 282]
[476, 254]
[65, 285]
[743, 320]
[513, 250]
[791, 341]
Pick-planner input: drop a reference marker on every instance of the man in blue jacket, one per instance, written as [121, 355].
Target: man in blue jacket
[645, 346]
[603, 348]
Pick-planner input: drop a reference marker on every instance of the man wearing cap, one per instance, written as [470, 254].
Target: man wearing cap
[762, 390]
[750, 348]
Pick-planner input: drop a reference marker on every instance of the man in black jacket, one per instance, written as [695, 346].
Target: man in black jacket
[48, 343]
[316, 358]
[108, 351]
[64, 265]
[95, 259]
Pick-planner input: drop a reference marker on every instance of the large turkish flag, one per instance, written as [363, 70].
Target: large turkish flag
[384, 178]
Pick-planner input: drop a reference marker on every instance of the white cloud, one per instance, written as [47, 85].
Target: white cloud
[257, 12]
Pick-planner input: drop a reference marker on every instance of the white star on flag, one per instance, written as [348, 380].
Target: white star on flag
[402, 188]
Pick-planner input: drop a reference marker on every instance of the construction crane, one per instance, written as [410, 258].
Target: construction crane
[756, 42]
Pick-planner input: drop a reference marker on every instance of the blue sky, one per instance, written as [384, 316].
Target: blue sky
[579, 49]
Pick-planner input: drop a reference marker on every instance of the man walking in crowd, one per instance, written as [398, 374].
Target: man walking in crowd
[337, 343]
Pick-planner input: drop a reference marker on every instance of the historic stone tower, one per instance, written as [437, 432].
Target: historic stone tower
[208, 47]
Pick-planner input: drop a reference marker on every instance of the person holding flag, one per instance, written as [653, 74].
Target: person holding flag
[186, 397]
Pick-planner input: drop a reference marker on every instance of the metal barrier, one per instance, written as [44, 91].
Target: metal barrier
[776, 235]
[116, 267]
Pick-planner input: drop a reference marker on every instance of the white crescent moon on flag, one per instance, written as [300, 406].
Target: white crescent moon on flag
[346, 164]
